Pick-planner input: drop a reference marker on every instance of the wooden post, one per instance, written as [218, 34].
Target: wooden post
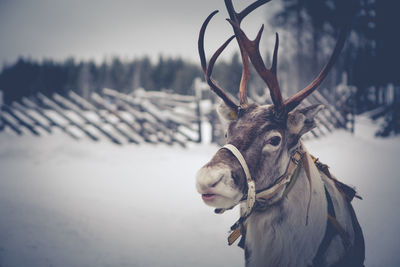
[197, 91]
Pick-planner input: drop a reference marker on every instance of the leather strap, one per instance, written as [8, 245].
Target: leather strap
[251, 187]
[290, 176]
[240, 158]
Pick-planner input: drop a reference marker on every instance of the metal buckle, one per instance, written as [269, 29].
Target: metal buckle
[297, 161]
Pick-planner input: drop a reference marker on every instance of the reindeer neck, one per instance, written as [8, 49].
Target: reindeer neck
[280, 236]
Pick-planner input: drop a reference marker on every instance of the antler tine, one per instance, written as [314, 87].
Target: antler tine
[212, 83]
[216, 55]
[201, 41]
[295, 100]
[208, 70]
[245, 61]
[238, 17]
[274, 65]
[268, 75]
[244, 80]
[250, 8]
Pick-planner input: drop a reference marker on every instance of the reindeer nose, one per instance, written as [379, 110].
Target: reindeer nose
[210, 177]
[217, 181]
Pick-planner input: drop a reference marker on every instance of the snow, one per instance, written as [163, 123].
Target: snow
[82, 203]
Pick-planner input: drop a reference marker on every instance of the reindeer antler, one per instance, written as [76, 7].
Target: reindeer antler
[208, 70]
[269, 75]
[237, 18]
[295, 100]
[251, 49]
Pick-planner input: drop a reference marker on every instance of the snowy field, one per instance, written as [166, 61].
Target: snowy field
[77, 203]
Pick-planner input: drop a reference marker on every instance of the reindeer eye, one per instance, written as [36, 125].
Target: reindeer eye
[274, 141]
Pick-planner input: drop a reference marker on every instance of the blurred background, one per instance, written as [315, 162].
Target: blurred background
[85, 46]
[101, 100]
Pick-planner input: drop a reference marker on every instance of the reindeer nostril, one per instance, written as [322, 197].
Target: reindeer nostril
[217, 181]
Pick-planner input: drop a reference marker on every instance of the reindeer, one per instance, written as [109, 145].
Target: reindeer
[293, 212]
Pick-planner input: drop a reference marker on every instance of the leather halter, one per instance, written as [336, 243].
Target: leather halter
[355, 254]
[262, 197]
[251, 187]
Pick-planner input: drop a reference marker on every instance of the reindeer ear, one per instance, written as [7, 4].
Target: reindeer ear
[226, 113]
[301, 121]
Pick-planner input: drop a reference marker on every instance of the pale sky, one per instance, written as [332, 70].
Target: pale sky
[98, 29]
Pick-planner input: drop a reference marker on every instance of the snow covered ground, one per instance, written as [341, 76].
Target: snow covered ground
[79, 203]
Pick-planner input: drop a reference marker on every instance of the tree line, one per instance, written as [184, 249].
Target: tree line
[26, 77]
[370, 57]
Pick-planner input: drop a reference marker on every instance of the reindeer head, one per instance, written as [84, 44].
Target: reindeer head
[265, 135]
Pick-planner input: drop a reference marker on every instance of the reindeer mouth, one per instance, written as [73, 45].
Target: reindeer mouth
[208, 197]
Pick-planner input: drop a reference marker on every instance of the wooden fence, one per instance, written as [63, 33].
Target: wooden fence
[144, 117]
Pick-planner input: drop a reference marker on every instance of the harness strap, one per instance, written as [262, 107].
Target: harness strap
[348, 192]
[290, 176]
[262, 197]
[240, 158]
[308, 174]
[332, 229]
[296, 158]
[330, 233]
[251, 187]
[355, 254]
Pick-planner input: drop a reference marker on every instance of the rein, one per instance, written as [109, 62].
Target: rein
[258, 201]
